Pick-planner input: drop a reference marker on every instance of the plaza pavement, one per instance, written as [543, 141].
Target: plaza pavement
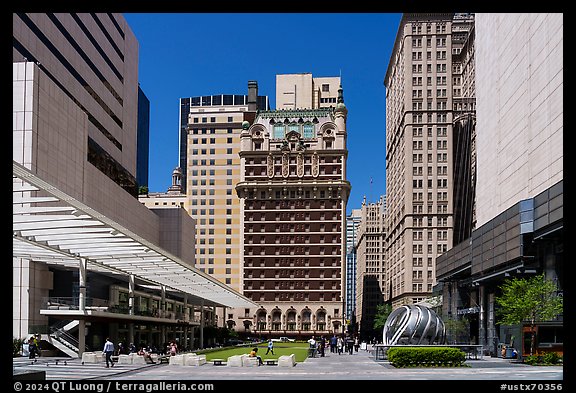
[358, 366]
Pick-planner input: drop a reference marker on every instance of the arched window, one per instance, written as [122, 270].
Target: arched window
[308, 131]
[278, 131]
[294, 127]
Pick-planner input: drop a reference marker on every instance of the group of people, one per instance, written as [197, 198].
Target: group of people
[338, 344]
[109, 350]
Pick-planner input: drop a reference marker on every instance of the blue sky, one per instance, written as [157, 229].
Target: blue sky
[193, 54]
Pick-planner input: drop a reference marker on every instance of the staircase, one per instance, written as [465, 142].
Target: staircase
[61, 338]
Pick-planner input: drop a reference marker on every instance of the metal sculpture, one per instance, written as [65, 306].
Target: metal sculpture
[414, 325]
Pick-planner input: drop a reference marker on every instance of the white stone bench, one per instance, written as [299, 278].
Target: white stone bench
[176, 360]
[124, 359]
[250, 361]
[194, 360]
[92, 357]
[235, 360]
[287, 361]
[137, 359]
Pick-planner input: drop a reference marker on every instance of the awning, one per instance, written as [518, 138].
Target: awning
[52, 227]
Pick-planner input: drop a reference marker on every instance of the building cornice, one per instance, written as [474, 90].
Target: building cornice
[286, 113]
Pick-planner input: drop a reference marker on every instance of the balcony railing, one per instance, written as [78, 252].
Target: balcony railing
[96, 304]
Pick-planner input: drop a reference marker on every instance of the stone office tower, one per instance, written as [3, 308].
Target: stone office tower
[429, 107]
[293, 193]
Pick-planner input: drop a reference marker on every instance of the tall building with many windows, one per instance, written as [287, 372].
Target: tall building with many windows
[352, 224]
[211, 143]
[423, 85]
[205, 108]
[519, 188]
[371, 269]
[293, 192]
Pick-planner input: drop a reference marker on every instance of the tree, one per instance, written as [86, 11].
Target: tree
[382, 312]
[143, 190]
[531, 300]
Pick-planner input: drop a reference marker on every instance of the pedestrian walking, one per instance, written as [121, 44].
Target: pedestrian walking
[31, 348]
[349, 345]
[356, 344]
[321, 346]
[340, 345]
[270, 347]
[312, 348]
[333, 343]
[108, 351]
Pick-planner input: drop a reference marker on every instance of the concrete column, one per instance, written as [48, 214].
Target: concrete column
[185, 318]
[162, 313]
[201, 343]
[82, 306]
[163, 302]
[482, 316]
[192, 331]
[82, 285]
[131, 295]
[131, 308]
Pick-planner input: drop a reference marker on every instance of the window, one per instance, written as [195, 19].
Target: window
[293, 127]
[308, 130]
[278, 132]
[325, 87]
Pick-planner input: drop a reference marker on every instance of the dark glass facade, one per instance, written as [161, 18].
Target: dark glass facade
[143, 139]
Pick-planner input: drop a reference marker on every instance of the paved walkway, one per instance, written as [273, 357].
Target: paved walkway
[358, 366]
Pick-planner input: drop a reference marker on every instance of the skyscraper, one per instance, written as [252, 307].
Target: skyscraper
[371, 269]
[423, 84]
[209, 147]
[519, 188]
[352, 224]
[293, 193]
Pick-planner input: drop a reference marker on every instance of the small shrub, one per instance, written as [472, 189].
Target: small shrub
[551, 358]
[547, 359]
[17, 346]
[531, 360]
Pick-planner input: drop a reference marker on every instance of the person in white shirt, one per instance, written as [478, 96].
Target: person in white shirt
[270, 347]
[312, 343]
[108, 351]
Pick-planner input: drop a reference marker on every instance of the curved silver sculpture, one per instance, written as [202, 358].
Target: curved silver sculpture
[414, 324]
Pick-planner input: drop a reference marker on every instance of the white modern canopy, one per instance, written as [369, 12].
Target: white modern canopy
[52, 227]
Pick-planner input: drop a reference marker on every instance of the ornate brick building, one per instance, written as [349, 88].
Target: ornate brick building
[293, 193]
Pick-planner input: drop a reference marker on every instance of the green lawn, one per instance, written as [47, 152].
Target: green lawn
[299, 349]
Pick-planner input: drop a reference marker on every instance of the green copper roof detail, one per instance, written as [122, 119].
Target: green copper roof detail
[284, 113]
